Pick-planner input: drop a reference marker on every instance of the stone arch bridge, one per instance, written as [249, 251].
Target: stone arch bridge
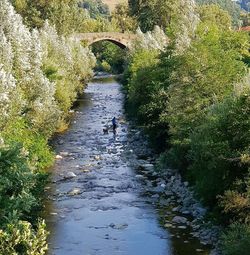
[123, 40]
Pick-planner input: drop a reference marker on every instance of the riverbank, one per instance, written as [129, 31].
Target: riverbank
[178, 208]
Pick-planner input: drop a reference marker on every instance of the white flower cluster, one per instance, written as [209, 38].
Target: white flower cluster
[20, 70]
[65, 54]
[155, 39]
[186, 26]
[25, 87]
[7, 87]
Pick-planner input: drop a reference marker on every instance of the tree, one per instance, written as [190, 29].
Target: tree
[230, 6]
[122, 19]
[177, 18]
[135, 6]
[65, 15]
[215, 15]
[95, 8]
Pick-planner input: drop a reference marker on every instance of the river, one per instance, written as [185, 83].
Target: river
[96, 201]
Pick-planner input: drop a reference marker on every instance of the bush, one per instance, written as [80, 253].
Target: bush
[105, 66]
[35, 145]
[236, 240]
[197, 83]
[17, 184]
[219, 148]
[110, 57]
[20, 238]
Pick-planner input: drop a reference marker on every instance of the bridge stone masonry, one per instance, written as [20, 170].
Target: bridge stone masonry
[123, 40]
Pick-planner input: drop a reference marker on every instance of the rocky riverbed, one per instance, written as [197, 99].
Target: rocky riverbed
[106, 196]
[174, 198]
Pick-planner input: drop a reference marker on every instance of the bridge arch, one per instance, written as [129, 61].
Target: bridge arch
[122, 40]
[119, 44]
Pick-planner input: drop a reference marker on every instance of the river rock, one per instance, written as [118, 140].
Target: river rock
[74, 192]
[158, 189]
[118, 226]
[139, 176]
[175, 209]
[64, 153]
[61, 142]
[97, 157]
[155, 196]
[180, 220]
[59, 157]
[186, 212]
[199, 250]
[69, 175]
[168, 225]
[148, 167]
[182, 227]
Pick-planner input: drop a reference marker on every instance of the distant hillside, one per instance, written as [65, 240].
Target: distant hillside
[113, 3]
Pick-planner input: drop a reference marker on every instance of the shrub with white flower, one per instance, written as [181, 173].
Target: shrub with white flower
[155, 39]
[67, 63]
[8, 97]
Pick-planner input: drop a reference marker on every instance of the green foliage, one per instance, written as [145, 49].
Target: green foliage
[236, 202]
[122, 19]
[41, 74]
[20, 238]
[66, 15]
[51, 73]
[219, 147]
[245, 19]
[147, 98]
[96, 8]
[215, 15]
[230, 6]
[34, 143]
[195, 102]
[68, 65]
[155, 12]
[105, 66]
[236, 240]
[17, 183]
[140, 85]
[198, 83]
[110, 57]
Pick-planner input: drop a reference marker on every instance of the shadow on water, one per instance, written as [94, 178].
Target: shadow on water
[96, 205]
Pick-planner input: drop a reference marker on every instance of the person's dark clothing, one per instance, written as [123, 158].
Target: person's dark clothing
[114, 123]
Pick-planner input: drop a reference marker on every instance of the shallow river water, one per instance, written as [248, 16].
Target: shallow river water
[95, 202]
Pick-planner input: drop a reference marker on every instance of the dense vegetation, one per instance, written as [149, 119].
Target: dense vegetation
[96, 8]
[230, 6]
[41, 74]
[68, 16]
[187, 83]
[110, 58]
[194, 104]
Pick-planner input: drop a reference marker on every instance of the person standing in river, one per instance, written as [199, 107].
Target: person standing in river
[114, 124]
